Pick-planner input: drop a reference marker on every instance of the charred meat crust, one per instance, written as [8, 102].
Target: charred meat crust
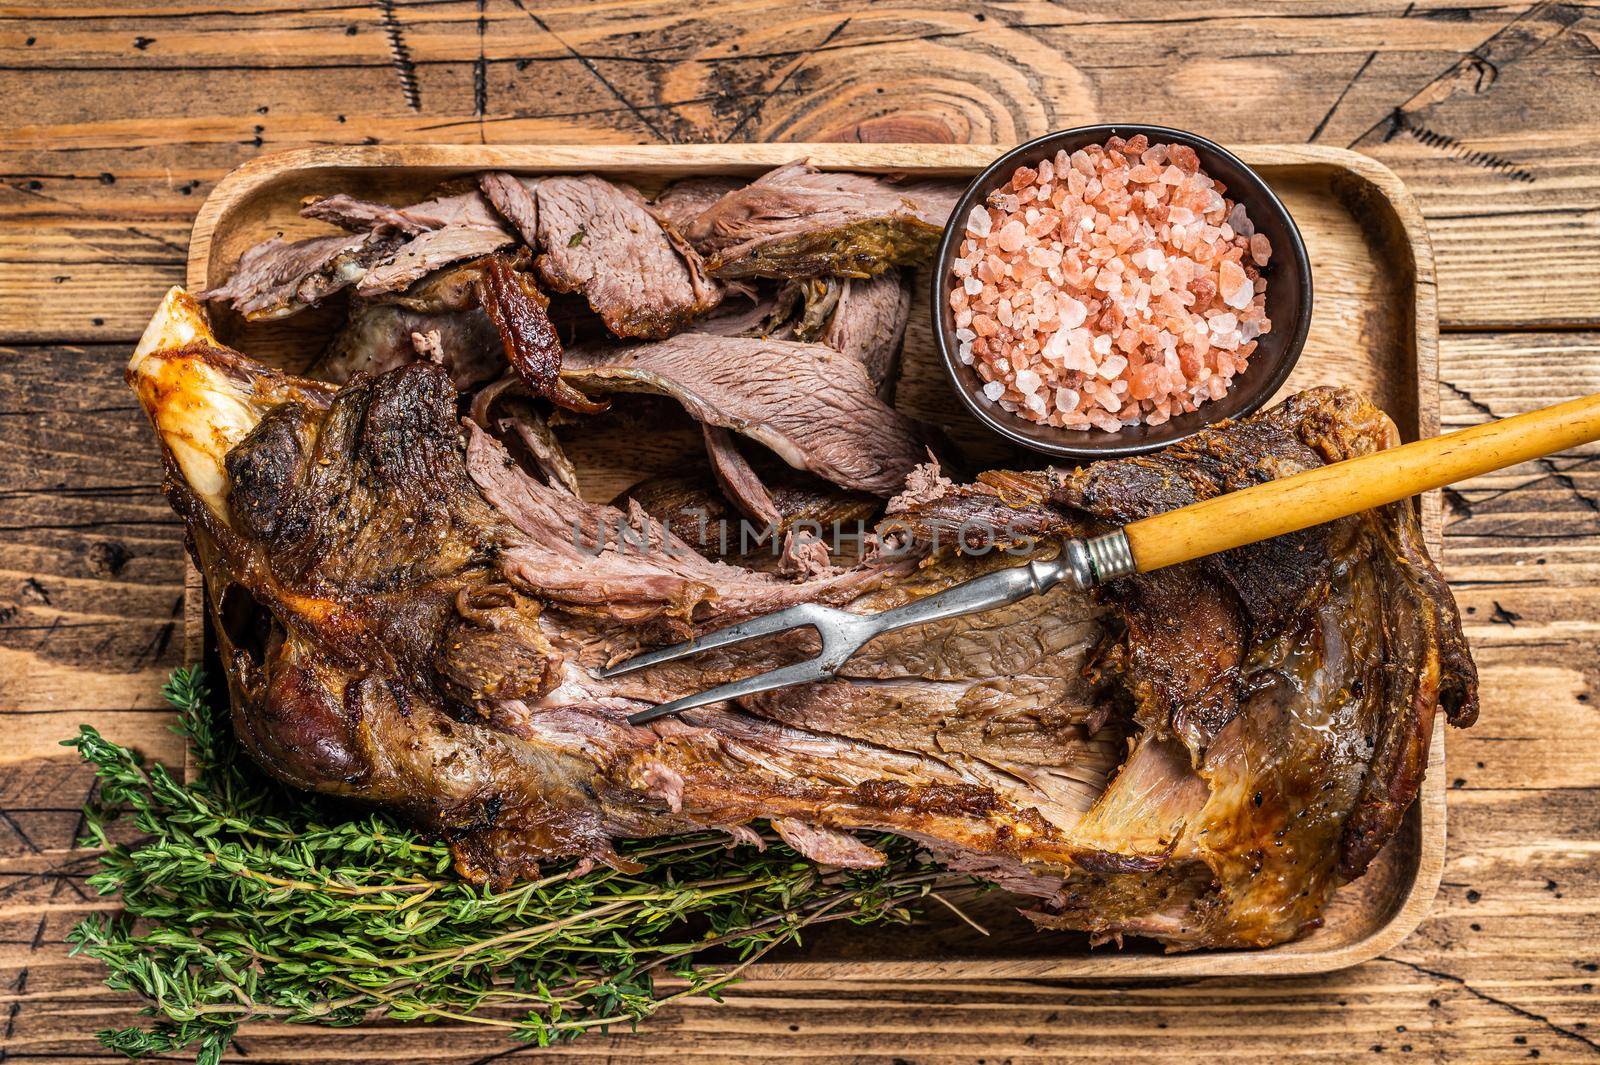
[1427, 664]
[427, 632]
[531, 345]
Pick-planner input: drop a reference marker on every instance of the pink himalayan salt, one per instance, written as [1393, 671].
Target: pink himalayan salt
[1113, 286]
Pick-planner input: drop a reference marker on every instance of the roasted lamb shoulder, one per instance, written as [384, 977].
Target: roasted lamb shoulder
[408, 619]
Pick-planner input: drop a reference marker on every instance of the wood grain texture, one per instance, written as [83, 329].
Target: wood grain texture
[120, 117]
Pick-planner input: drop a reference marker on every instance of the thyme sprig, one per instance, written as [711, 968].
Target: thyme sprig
[245, 901]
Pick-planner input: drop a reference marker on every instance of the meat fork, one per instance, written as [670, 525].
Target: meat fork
[1259, 512]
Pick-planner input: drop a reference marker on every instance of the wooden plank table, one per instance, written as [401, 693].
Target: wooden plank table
[119, 116]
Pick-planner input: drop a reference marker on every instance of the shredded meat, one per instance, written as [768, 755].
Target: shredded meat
[436, 617]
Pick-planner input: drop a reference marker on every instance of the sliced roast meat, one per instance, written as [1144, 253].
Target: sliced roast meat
[698, 512]
[597, 560]
[514, 198]
[864, 318]
[741, 484]
[276, 278]
[683, 201]
[503, 408]
[815, 408]
[387, 250]
[800, 222]
[472, 231]
[758, 315]
[438, 232]
[827, 846]
[869, 322]
[601, 239]
[467, 209]
[435, 621]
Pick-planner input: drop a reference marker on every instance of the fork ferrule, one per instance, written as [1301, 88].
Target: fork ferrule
[1107, 557]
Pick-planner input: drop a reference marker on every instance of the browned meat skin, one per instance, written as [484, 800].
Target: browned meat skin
[800, 222]
[815, 408]
[530, 343]
[602, 239]
[425, 630]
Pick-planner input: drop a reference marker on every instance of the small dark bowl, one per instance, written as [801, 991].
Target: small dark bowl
[1288, 277]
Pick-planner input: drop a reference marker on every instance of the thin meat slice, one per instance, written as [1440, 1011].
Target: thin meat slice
[514, 198]
[869, 322]
[276, 278]
[504, 409]
[622, 565]
[601, 239]
[681, 202]
[741, 484]
[697, 510]
[461, 209]
[385, 251]
[816, 408]
[797, 221]
[827, 846]
[467, 229]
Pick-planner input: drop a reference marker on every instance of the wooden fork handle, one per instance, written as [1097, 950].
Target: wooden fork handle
[1266, 510]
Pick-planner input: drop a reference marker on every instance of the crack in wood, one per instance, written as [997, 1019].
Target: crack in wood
[1362, 69]
[589, 65]
[1520, 36]
[755, 109]
[11, 823]
[1451, 146]
[400, 52]
[19, 988]
[1544, 462]
[480, 74]
[1502, 616]
[1461, 982]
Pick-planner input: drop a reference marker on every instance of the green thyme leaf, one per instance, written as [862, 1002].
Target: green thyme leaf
[244, 902]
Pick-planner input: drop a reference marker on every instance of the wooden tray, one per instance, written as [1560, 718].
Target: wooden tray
[1374, 327]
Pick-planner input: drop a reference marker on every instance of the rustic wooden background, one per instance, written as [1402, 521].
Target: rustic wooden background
[118, 116]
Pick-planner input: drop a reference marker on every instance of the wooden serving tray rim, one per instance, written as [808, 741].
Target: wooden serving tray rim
[1286, 959]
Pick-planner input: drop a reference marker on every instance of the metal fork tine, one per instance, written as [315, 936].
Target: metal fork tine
[799, 673]
[794, 617]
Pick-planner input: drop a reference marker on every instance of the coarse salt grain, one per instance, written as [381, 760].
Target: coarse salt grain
[1085, 286]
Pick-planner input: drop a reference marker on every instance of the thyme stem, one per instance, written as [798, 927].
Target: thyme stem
[244, 901]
